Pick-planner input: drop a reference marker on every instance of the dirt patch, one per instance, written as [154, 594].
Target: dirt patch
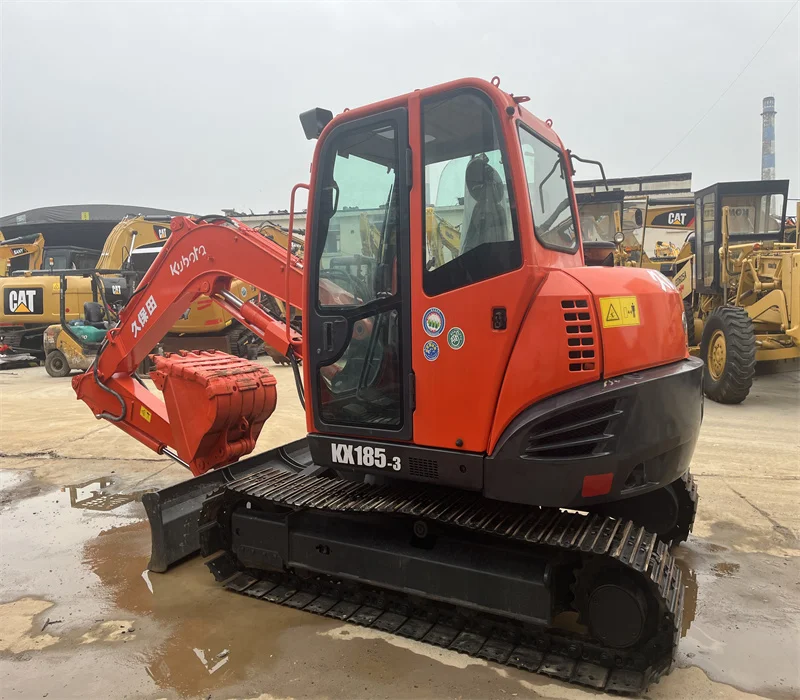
[18, 633]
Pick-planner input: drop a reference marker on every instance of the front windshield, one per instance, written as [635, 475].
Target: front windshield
[597, 221]
[549, 194]
[753, 214]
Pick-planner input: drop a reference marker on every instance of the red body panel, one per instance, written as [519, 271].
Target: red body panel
[659, 339]
[540, 363]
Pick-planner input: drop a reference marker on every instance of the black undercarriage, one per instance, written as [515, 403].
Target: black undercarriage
[455, 569]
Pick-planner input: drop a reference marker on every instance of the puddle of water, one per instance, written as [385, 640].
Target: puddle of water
[42, 538]
[215, 638]
[16, 485]
[689, 595]
[725, 568]
[746, 628]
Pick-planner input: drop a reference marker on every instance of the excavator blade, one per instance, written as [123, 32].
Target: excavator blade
[174, 512]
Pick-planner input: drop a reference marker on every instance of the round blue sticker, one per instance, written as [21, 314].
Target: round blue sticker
[433, 322]
[431, 350]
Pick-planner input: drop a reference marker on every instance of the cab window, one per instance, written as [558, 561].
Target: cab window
[709, 223]
[470, 226]
[546, 172]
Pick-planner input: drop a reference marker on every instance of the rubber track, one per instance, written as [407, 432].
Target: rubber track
[687, 510]
[551, 652]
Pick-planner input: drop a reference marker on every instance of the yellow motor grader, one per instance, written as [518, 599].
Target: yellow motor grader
[740, 281]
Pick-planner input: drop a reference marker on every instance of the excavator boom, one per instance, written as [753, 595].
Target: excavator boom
[198, 258]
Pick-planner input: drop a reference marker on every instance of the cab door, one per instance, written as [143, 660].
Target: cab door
[471, 288]
[359, 365]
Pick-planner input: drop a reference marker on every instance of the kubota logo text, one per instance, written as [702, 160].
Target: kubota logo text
[179, 266]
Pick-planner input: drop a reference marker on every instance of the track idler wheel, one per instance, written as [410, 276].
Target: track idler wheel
[613, 606]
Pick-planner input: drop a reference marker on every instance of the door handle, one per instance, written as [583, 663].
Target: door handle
[327, 336]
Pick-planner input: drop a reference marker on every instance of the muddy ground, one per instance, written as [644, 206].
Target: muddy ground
[80, 617]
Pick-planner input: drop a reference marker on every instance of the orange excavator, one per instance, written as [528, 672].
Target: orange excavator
[498, 443]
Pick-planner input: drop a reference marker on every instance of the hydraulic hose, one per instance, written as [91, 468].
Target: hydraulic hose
[301, 394]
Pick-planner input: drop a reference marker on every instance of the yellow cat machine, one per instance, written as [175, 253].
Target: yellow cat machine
[21, 253]
[32, 298]
[739, 277]
[607, 233]
[609, 221]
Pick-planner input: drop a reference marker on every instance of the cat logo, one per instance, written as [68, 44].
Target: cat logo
[677, 218]
[162, 232]
[23, 301]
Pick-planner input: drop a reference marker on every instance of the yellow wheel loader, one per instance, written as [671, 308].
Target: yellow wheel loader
[740, 281]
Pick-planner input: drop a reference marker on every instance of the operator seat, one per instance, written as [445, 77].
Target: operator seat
[488, 222]
[94, 314]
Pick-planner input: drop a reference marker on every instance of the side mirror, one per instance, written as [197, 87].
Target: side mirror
[314, 121]
[638, 218]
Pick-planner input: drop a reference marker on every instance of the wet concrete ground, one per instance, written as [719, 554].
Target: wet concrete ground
[80, 618]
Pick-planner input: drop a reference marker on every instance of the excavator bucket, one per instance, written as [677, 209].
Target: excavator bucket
[217, 404]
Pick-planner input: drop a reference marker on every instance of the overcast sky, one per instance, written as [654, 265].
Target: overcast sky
[193, 106]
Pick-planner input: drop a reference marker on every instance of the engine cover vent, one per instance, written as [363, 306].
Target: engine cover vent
[578, 432]
[581, 340]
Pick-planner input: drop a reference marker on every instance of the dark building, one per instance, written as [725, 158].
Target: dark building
[84, 225]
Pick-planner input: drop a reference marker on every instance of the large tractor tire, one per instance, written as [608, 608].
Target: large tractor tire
[728, 349]
[56, 364]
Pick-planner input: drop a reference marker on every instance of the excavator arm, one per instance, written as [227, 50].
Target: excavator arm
[214, 405]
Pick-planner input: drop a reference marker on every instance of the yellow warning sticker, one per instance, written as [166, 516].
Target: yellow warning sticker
[619, 311]
[144, 413]
[84, 216]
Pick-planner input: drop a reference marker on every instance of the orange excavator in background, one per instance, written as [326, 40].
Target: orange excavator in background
[494, 438]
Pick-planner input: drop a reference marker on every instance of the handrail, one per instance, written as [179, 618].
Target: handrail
[298, 186]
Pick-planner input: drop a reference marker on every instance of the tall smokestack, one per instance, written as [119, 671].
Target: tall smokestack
[768, 139]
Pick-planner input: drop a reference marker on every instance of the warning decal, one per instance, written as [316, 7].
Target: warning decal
[619, 311]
